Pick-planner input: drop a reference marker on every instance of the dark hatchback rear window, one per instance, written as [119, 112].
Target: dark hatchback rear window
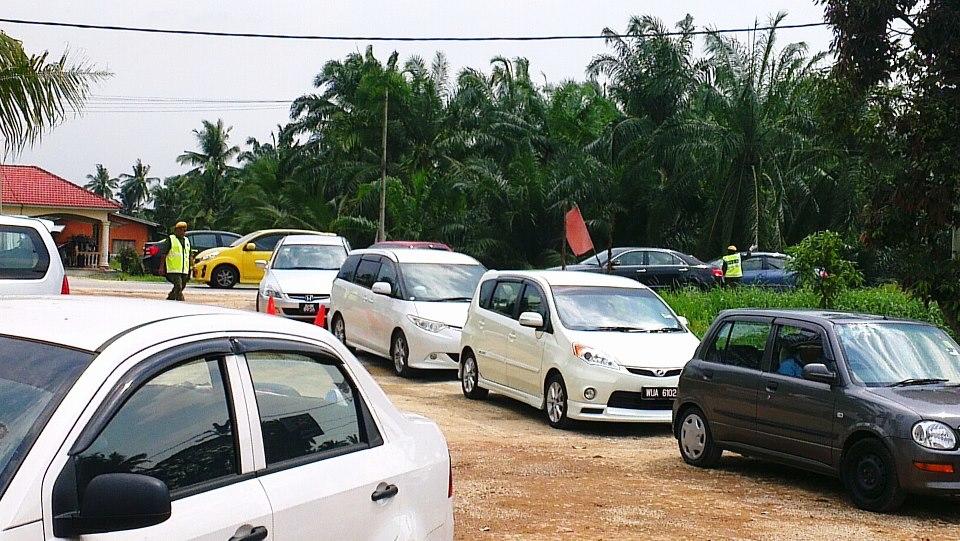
[23, 254]
[34, 378]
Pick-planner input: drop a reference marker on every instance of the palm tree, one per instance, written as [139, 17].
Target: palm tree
[212, 174]
[101, 183]
[36, 94]
[135, 189]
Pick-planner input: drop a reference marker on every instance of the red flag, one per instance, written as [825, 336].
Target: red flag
[576, 231]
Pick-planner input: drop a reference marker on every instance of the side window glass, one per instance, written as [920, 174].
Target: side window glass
[23, 255]
[367, 272]
[388, 274]
[486, 293]
[532, 301]
[629, 258]
[795, 348]
[203, 241]
[775, 263]
[746, 344]
[348, 268]
[176, 428]
[752, 264]
[268, 242]
[226, 239]
[661, 258]
[716, 349]
[307, 406]
[505, 298]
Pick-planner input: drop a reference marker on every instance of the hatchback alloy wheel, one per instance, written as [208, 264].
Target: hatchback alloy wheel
[470, 379]
[225, 277]
[400, 354]
[555, 403]
[339, 329]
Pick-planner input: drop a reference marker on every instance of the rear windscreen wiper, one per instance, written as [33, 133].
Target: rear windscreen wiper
[918, 381]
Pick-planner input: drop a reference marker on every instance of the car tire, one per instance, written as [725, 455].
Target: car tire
[400, 355]
[224, 277]
[470, 378]
[695, 439]
[338, 328]
[258, 302]
[555, 402]
[870, 475]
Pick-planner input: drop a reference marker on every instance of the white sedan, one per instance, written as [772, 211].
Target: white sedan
[171, 421]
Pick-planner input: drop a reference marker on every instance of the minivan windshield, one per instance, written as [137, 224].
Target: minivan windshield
[885, 354]
[625, 309]
[439, 282]
[309, 257]
[34, 377]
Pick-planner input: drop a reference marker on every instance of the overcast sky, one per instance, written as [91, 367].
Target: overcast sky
[242, 68]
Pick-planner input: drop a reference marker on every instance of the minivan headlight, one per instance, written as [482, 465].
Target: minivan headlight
[427, 324]
[596, 357]
[272, 292]
[934, 435]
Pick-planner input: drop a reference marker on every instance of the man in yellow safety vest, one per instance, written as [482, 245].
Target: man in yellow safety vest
[732, 267]
[176, 252]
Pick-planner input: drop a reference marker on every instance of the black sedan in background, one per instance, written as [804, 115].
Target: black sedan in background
[653, 267]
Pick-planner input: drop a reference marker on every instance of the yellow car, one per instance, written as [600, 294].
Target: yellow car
[237, 263]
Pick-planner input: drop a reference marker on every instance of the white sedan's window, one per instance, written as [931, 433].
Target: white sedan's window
[306, 406]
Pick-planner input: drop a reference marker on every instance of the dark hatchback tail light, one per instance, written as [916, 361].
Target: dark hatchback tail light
[65, 286]
[151, 251]
[717, 273]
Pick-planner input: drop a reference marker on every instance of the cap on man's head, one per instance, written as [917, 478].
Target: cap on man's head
[180, 224]
[731, 248]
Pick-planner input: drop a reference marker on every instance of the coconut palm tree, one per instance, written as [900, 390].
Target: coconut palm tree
[101, 183]
[37, 92]
[212, 179]
[135, 188]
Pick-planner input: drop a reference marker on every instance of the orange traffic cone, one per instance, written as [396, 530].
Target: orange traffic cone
[271, 306]
[321, 319]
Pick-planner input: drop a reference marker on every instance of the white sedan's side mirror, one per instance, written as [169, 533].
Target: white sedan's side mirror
[684, 321]
[261, 263]
[382, 288]
[531, 319]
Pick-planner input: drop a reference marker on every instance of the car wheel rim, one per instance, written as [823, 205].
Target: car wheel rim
[224, 278]
[469, 375]
[871, 475]
[693, 436]
[339, 332]
[399, 354]
[556, 401]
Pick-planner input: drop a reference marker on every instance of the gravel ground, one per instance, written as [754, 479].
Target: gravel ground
[516, 478]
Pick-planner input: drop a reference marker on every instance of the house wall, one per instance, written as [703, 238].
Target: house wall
[123, 230]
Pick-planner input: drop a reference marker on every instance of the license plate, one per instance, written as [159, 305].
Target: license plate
[658, 393]
[308, 308]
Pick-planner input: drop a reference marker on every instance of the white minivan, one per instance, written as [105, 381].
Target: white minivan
[30, 263]
[408, 305]
[576, 345]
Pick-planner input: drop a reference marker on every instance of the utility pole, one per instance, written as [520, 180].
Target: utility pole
[382, 228]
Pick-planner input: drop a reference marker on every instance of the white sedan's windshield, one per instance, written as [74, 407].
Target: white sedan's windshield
[880, 354]
[613, 309]
[437, 282]
[309, 257]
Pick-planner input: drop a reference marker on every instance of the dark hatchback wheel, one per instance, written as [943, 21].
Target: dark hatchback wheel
[870, 475]
[697, 446]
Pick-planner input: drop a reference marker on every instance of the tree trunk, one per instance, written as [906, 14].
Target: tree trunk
[382, 227]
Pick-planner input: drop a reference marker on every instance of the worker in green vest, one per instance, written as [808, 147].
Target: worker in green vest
[176, 252]
[732, 267]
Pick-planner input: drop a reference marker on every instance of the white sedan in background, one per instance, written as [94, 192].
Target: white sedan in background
[177, 421]
[577, 345]
[300, 273]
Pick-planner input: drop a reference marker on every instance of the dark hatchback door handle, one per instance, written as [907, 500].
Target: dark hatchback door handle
[258, 533]
[708, 375]
[772, 386]
[384, 491]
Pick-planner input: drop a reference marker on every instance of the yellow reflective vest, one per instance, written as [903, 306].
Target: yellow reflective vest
[734, 269]
[178, 258]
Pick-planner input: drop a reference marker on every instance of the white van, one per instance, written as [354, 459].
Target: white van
[30, 263]
[407, 304]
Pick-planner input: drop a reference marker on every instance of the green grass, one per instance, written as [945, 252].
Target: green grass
[124, 277]
[702, 307]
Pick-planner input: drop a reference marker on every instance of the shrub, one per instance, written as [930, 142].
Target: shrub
[129, 261]
[820, 265]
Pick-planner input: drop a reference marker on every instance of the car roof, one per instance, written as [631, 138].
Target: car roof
[24, 221]
[194, 231]
[323, 240]
[816, 316]
[66, 319]
[418, 255]
[569, 278]
[410, 244]
[260, 232]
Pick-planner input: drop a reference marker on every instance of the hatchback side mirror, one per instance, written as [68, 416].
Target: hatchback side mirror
[250, 247]
[114, 502]
[820, 373]
[382, 288]
[531, 319]
[261, 263]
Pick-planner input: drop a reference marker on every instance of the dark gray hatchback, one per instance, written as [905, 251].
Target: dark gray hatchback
[872, 400]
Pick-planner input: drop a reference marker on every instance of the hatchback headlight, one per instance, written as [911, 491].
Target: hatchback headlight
[596, 357]
[208, 256]
[427, 324]
[934, 435]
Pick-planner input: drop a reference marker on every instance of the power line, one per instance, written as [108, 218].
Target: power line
[312, 37]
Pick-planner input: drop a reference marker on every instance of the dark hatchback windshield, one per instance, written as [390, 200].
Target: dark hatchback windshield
[883, 354]
[437, 282]
[593, 308]
[309, 257]
[34, 377]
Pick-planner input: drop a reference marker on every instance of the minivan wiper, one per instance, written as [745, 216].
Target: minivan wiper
[619, 328]
[666, 329]
[918, 381]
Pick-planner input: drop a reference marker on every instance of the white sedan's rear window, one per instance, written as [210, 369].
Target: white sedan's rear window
[23, 255]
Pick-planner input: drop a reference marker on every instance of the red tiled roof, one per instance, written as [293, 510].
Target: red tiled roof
[32, 186]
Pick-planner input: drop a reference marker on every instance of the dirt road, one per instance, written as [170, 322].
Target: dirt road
[516, 478]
